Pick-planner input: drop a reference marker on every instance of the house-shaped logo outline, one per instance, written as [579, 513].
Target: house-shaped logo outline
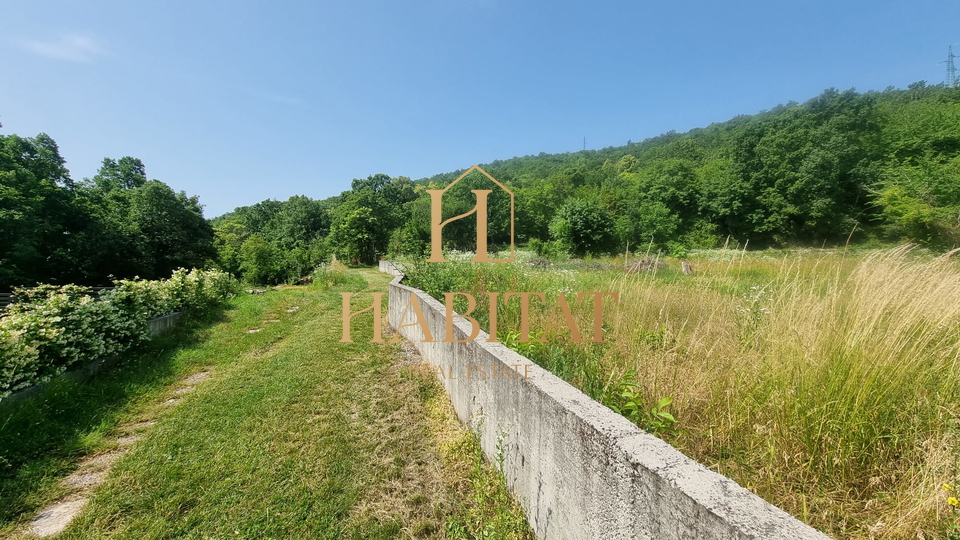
[438, 229]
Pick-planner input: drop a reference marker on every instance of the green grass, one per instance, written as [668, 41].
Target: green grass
[294, 435]
[824, 380]
[43, 436]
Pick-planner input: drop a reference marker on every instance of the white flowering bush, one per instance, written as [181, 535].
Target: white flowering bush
[52, 329]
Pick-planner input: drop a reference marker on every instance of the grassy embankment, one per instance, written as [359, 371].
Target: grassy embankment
[291, 435]
[826, 382]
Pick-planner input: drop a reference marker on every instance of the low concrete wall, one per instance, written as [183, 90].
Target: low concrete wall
[162, 325]
[391, 268]
[579, 470]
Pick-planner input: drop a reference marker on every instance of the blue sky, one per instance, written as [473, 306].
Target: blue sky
[241, 101]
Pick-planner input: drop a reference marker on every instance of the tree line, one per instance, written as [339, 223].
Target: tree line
[117, 224]
[876, 167]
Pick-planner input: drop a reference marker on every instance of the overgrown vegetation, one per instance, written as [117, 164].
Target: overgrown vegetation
[292, 435]
[52, 329]
[826, 381]
[876, 167]
[276, 242]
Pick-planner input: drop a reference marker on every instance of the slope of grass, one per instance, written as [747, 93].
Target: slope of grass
[294, 435]
[42, 437]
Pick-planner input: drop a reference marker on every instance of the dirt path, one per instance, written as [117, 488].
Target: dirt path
[92, 471]
[300, 436]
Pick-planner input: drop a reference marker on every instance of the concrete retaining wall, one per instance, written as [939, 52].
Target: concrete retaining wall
[579, 470]
[162, 325]
[391, 268]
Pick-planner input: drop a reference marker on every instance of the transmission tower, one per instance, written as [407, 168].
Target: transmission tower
[951, 69]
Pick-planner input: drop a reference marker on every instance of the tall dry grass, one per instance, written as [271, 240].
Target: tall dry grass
[830, 387]
[825, 382]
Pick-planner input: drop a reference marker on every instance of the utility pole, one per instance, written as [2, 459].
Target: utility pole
[585, 141]
[951, 69]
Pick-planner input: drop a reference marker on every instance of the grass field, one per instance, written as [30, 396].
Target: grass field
[283, 433]
[825, 381]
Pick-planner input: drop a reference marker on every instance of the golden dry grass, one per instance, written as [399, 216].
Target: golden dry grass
[824, 381]
[830, 387]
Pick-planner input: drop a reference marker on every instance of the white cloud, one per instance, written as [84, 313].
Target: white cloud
[70, 47]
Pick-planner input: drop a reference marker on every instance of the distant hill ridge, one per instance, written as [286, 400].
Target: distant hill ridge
[876, 167]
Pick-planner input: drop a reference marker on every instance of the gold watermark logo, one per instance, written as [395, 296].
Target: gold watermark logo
[437, 222]
[561, 311]
[473, 372]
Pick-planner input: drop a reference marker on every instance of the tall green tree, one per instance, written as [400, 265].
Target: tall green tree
[584, 227]
[36, 211]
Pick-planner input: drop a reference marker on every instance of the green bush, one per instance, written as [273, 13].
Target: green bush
[584, 227]
[408, 240]
[51, 329]
[328, 275]
[261, 262]
[677, 250]
[549, 250]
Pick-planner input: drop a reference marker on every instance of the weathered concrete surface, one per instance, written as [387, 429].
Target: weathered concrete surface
[391, 268]
[55, 518]
[580, 470]
[162, 325]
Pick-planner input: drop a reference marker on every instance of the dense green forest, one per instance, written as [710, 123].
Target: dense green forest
[117, 224]
[882, 166]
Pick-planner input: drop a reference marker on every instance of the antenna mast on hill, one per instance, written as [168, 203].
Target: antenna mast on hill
[585, 139]
[951, 69]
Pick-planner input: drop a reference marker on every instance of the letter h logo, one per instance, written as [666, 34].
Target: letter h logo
[437, 223]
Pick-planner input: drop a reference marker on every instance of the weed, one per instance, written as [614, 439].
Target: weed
[626, 398]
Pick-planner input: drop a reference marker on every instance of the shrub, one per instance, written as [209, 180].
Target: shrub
[548, 250]
[260, 261]
[328, 275]
[584, 227]
[52, 329]
[408, 240]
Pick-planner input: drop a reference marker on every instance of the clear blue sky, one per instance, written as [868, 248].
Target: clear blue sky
[241, 101]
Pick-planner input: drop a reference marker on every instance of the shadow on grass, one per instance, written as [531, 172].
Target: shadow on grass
[43, 435]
